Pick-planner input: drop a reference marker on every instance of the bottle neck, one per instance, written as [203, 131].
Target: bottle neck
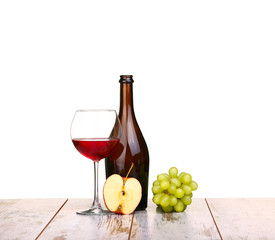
[126, 99]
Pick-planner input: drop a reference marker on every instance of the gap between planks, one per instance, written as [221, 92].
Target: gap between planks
[129, 237]
[52, 219]
[213, 218]
[208, 206]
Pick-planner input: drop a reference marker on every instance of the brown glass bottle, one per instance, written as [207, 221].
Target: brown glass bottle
[132, 147]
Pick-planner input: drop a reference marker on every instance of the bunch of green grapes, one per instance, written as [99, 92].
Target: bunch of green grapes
[173, 192]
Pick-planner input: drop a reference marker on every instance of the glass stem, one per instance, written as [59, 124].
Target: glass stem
[96, 203]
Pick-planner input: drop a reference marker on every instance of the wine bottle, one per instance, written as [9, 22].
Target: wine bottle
[132, 147]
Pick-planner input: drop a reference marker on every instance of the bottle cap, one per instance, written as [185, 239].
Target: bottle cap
[126, 79]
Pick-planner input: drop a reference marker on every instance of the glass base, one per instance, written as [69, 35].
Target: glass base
[94, 211]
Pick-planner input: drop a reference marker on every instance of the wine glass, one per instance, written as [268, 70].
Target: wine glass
[95, 134]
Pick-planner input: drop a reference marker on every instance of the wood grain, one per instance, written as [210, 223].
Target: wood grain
[244, 219]
[69, 225]
[195, 223]
[25, 218]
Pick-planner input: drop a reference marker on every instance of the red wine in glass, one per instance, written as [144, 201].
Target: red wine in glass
[95, 148]
[95, 134]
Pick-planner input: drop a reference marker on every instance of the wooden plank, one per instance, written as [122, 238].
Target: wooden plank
[26, 218]
[69, 225]
[195, 223]
[244, 218]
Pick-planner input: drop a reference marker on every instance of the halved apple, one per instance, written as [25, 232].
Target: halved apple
[121, 195]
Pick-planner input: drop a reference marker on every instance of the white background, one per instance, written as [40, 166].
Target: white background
[203, 92]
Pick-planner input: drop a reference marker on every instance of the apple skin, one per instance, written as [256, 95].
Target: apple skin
[120, 197]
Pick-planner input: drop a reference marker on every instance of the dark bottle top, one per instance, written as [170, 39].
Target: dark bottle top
[132, 146]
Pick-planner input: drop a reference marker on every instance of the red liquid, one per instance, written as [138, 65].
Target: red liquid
[95, 148]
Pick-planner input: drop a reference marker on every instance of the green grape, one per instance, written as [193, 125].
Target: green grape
[165, 200]
[172, 188]
[193, 185]
[165, 185]
[157, 189]
[176, 181]
[157, 197]
[173, 172]
[179, 193]
[186, 178]
[179, 206]
[167, 209]
[173, 200]
[156, 183]
[162, 177]
[187, 190]
[181, 174]
[190, 195]
[187, 200]
[167, 175]
[185, 206]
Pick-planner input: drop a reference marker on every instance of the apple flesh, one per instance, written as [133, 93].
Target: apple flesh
[121, 197]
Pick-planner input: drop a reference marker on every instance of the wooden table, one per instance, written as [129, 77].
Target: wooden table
[56, 219]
